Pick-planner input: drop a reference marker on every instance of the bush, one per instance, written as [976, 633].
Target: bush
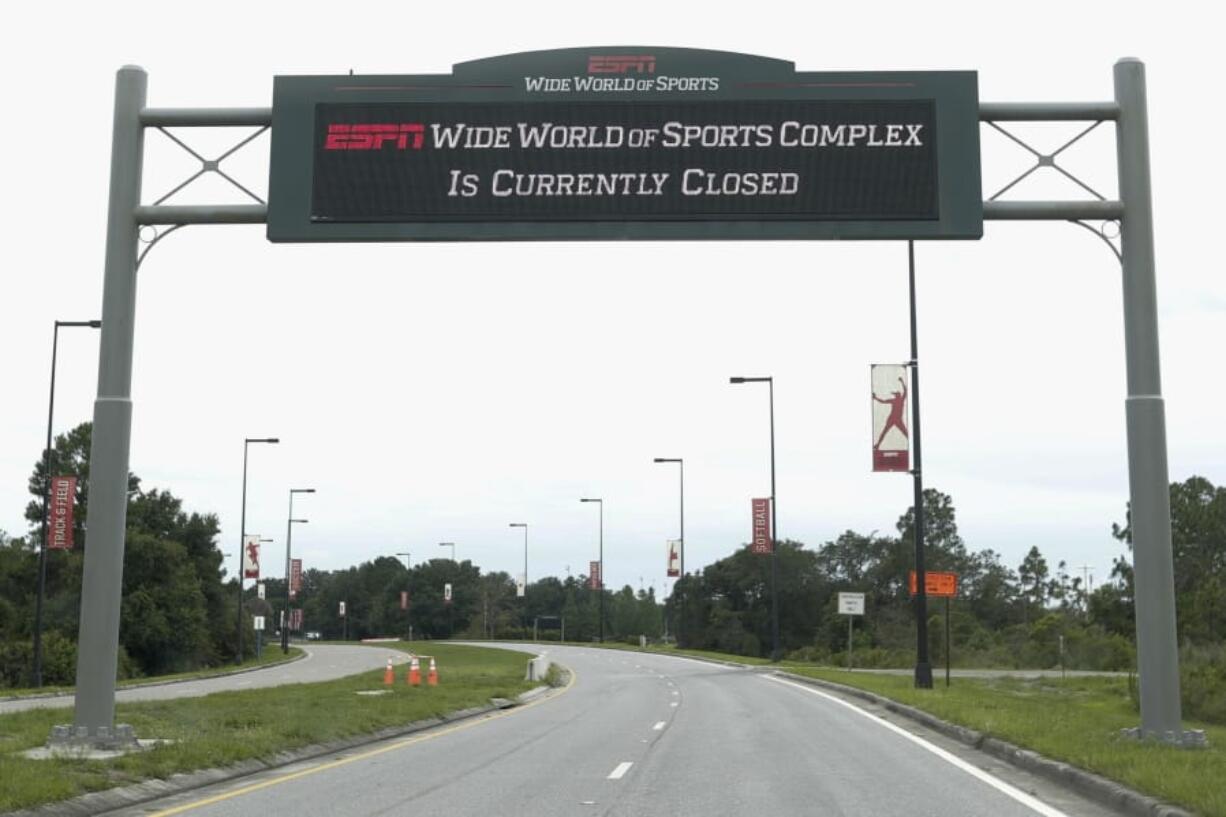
[1202, 683]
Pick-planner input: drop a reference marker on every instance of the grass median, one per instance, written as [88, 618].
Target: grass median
[227, 727]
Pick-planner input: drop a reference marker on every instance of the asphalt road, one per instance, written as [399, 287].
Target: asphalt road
[638, 734]
[324, 662]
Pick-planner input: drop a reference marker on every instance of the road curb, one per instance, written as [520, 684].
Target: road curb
[46, 695]
[1105, 792]
[149, 790]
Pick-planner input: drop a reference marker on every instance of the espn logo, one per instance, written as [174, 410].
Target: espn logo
[374, 137]
[621, 65]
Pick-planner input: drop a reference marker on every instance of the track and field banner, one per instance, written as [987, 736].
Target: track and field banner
[404, 599]
[295, 577]
[593, 576]
[251, 556]
[674, 558]
[447, 593]
[891, 437]
[761, 542]
[59, 526]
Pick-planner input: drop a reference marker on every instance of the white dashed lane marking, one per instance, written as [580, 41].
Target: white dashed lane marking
[620, 771]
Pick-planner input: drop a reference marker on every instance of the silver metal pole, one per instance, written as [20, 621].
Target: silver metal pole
[106, 517]
[1149, 483]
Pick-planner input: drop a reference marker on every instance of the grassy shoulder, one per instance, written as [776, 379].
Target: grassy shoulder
[1077, 720]
[228, 727]
[271, 657]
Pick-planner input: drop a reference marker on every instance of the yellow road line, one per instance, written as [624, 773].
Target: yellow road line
[254, 787]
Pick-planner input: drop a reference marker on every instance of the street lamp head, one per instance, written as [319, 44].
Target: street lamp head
[261, 440]
[749, 379]
[667, 459]
[518, 525]
[302, 490]
[736, 380]
[300, 521]
[588, 499]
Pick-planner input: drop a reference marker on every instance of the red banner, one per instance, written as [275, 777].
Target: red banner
[251, 557]
[593, 576]
[404, 599]
[937, 584]
[674, 558]
[891, 440]
[295, 577]
[59, 526]
[761, 527]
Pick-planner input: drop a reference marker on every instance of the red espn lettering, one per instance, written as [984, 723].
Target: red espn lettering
[374, 137]
[645, 64]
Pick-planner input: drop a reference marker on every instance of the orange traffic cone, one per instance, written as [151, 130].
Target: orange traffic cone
[414, 677]
[432, 678]
[389, 675]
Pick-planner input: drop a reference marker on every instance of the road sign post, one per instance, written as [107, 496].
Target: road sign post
[850, 605]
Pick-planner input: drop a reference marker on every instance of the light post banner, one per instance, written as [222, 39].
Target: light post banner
[404, 599]
[295, 619]
[295, 577]
[59, 529]
[761, 527]
[891, 439]
[520, 587]
[593, 576]
[447, 593]
[674, 558]
[251, 557]
[259, 591]
[342, 609]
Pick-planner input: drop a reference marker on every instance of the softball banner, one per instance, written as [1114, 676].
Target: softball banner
[891, 439]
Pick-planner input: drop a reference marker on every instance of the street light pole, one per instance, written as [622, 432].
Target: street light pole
[681, 613]
[600, 584]
[770, 381]
[524, 525]
[407, 560]
[42, 542]
[289, 537]
[449, 545]
[242, 541]
[923, 666]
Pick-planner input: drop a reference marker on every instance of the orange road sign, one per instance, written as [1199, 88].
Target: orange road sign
[937, 583]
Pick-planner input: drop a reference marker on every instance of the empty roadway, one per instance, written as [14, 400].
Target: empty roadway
[323, 662]
[640, 734]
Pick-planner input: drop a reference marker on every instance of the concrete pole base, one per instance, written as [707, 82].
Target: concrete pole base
[118, 738]
[1183, 739]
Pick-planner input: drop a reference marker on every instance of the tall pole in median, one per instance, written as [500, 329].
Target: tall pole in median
[681, 612]
[1148, 480]
[289, 536]
[770, 381]
[923, 666]
[242, 541]
[524, 525]
[42, 541]
[600, 583]
[106, 516]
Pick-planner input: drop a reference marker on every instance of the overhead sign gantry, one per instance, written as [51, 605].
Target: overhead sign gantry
[627, 143]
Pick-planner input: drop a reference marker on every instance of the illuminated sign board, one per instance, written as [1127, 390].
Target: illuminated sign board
[625, 143]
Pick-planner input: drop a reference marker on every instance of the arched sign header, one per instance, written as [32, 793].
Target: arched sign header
[626, 143]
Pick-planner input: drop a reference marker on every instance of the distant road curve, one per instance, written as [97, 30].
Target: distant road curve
[323, 662]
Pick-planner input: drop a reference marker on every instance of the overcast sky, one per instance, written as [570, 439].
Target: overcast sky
[439, 392]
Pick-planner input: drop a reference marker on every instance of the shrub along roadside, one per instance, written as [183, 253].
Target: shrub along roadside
[225, 728]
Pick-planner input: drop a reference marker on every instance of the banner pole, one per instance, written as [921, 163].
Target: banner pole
[923, 667]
